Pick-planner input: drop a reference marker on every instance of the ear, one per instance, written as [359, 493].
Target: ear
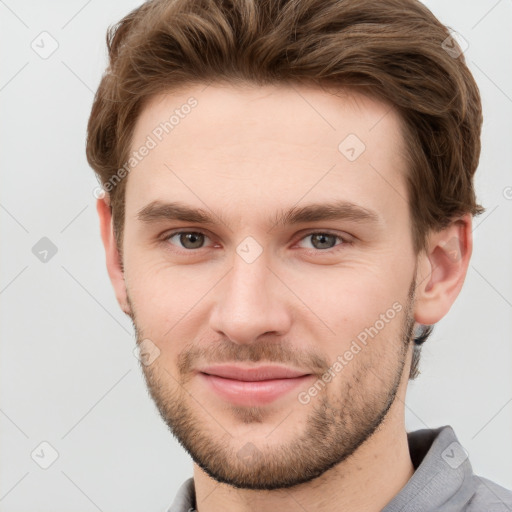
[441, 270]
[113, 258]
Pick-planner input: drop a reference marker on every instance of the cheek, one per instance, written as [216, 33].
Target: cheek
[168, 301]
[344, 302]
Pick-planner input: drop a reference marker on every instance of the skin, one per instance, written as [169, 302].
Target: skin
[244, 155]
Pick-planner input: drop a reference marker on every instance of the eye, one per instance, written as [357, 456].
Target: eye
[319, 240]
[188, 239]
[323, 240]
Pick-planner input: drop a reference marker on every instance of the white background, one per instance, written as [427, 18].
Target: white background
[68, 373]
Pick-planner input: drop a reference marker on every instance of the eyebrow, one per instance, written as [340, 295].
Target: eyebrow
[338, 210]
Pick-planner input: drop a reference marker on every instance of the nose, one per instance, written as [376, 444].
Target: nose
[250, 302]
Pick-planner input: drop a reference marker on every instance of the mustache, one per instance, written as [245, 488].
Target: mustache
[225, 351]
[260, 351]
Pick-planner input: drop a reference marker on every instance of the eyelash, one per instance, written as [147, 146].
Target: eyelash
[344, 241]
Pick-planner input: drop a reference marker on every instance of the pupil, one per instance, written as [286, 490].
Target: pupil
[322, 237]
[191, 238]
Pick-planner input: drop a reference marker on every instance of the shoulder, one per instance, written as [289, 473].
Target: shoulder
[489, 497]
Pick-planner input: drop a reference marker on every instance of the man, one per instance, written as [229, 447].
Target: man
[287, 212]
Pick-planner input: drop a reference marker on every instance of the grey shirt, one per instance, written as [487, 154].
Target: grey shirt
[443, 480]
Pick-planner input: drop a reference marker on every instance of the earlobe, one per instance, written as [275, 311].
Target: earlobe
[441, 271]
[113, 258]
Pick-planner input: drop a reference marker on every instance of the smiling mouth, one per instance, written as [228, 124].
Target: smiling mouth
[252, 385]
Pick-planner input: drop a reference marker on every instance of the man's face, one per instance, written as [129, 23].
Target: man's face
[250, 288]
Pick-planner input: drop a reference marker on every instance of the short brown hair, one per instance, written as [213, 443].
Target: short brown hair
[393, 50]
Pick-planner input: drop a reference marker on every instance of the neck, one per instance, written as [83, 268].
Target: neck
[367, 480]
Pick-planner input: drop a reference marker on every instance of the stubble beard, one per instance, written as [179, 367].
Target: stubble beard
[336, 426]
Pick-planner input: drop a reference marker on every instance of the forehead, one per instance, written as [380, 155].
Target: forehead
[264, 111]
[239, 145]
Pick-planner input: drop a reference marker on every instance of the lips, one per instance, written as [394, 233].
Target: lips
[253, 374]
[252, 386]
